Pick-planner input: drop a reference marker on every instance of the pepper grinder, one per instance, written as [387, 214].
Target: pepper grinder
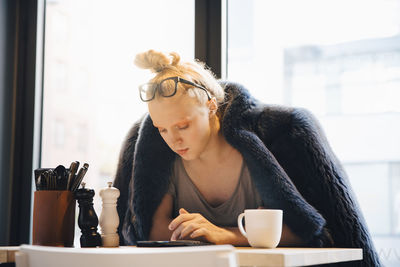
[109, 219]
[87, 219]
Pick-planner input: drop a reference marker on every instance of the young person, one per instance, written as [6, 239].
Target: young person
[207, 150]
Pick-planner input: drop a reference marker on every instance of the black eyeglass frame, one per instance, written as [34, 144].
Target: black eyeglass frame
[176, 80]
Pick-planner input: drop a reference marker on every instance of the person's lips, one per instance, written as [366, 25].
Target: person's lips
[182, 151]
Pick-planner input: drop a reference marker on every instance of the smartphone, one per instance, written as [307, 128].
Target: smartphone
[177, 243]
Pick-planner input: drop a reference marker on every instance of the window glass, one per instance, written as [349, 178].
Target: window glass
[341, 60]
[90, 97]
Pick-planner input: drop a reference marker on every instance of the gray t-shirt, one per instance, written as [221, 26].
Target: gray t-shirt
[186, 195]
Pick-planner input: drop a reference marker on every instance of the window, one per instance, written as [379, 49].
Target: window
[341, 60]
[90, 80]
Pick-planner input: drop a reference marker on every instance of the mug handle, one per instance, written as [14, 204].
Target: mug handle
[240, 224]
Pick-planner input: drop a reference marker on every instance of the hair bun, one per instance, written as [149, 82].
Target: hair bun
[156, 61]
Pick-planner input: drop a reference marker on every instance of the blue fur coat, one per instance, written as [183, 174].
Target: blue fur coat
[289, 160]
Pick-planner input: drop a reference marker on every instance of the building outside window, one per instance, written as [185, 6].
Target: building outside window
[340, 60]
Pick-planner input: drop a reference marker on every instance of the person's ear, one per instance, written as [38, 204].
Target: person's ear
[212, 105]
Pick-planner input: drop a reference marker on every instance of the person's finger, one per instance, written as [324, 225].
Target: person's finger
[189, 228]
[183, 211]
[180, 219]
[177, 232]
[173, 237]
[198, 232]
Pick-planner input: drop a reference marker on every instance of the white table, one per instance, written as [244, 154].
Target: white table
[210, 256]
[199, 256]
[295, 256]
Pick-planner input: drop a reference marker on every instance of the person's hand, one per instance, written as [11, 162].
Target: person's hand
[195, 226]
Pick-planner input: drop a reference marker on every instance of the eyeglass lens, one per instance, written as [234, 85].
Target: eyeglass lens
[147, 91]
[168, 87]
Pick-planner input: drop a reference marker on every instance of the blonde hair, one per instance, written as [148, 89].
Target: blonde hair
[168, 65]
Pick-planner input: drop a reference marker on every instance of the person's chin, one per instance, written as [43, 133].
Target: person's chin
[187, 156]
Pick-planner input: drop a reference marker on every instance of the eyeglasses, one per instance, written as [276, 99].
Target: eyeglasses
[166, 88]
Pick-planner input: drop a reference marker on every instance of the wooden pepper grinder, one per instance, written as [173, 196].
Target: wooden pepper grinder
[109, 219]
[87, 219]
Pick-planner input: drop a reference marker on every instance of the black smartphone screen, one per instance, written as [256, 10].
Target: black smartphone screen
[177, 243]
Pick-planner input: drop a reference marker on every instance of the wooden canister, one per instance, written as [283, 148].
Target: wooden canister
[53, 218]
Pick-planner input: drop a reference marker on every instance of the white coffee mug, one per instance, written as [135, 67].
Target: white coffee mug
[263, 227]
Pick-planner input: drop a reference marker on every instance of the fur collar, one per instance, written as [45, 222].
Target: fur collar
[153, 160]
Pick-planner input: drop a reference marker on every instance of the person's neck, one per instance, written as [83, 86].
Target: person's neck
[216, 150]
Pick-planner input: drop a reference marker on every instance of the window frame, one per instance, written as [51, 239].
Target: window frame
[21, 130]
[22, 127]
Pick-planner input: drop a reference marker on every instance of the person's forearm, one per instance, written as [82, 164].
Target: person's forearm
[234, 237]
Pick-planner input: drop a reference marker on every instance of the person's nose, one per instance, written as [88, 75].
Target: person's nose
[176, 138]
